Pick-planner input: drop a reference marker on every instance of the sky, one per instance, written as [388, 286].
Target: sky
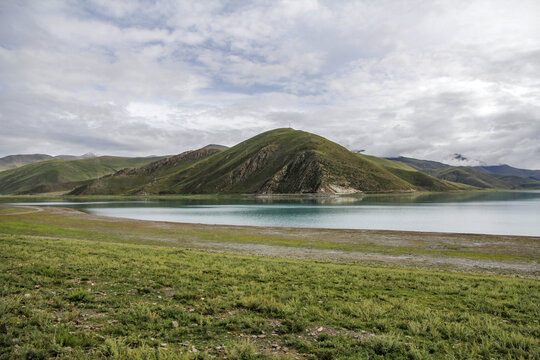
[425, 79]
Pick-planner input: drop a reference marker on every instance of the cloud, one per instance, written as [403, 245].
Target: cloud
[412, 78]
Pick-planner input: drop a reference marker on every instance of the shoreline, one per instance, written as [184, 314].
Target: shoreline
[497, 254]
[64, 195]
[39, 208]
[336, 202]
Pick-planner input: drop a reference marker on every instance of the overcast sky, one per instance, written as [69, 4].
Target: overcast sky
[425, 79]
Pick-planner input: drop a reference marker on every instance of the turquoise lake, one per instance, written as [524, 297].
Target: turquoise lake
[504, 213]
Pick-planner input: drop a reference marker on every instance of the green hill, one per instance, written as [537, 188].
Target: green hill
[62, 175]
[15, 161]
[470, 176]
[518, 182]
[486, 177]
[131, 179]
[510, 171]
[281, 161]
[427, 166]
[420, 180]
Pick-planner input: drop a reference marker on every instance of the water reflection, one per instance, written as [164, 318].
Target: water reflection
[355, 199]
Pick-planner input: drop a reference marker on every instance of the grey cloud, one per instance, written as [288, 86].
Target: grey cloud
[394, 78]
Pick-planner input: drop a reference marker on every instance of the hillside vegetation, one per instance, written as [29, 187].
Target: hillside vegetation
[15, 161]
[62, 175]
[124, 181]
[510, 171]
[281, 161]
[470, 176]
[420, 180]
[427, 166]
[486, 177]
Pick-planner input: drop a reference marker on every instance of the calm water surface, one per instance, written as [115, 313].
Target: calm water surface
[505, 213]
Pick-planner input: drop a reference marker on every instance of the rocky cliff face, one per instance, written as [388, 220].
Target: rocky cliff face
[247, 168]
[303, 174]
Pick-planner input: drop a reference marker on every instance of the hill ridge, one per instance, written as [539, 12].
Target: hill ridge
[62, 175]
[278, 161]
[485, 177]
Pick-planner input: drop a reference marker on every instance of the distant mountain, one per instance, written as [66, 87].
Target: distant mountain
[74, 157]
[486, 177]
[427, 166]
[281, 161]
[419, 179]
[509, 170]
[216, 147]
[62, 175]
[15, 161]
[470, 176]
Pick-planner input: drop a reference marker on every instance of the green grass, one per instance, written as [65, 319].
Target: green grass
[91, 299]
[74, 225]
[62, 175]
[12, 210]
[75, 286]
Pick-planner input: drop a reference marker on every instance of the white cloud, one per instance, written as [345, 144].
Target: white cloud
[414, 78]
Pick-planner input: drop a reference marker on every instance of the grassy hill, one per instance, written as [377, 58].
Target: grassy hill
[467, 175]
[518, 182]
[62, 175]
[486, 177]
[279, 161]
[510, 171]
[427, 166]
[420, 180]
[15, 161]
[282, 161]
[77, 157]
[126, 180]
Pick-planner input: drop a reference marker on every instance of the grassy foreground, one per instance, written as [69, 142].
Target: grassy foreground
[75, 298]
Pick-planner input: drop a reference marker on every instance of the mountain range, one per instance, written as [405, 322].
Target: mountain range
[281, 161]
[484, 177]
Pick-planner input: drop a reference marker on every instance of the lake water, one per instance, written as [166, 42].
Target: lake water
[504, 213]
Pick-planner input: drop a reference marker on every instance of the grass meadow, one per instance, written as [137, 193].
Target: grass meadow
[72, 298]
